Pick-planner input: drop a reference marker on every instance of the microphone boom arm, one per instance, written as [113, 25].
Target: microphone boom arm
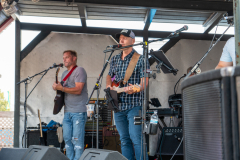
[205, 55]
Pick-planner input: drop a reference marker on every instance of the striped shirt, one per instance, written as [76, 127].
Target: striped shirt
[118, 69]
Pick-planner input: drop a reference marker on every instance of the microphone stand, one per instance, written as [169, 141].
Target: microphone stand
[26, 97]
[205, 55]
[96, 87]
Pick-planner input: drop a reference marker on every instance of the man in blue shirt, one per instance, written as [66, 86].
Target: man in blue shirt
[228, 57]
[130, 101]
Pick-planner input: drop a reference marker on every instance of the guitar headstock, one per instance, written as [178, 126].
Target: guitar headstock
[136, 88]
[58, 69]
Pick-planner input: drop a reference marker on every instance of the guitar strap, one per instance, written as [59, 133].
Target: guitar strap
[69, 73]
[132, 64]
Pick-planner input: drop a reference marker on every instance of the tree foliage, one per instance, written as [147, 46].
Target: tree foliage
[3, 102]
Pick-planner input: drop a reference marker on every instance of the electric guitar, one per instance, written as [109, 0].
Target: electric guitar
[116, 87]
[59, 99]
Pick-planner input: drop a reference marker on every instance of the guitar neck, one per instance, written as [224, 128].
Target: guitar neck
[120, 90]
[40, 124]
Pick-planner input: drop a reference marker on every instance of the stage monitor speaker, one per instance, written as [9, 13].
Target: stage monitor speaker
[36, 152]
[101, 154]
[207, 116]
[12, 153]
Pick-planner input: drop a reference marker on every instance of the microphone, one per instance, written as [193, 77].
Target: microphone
[115, 46]
[228, 17]
[185, 27]
[57, 65]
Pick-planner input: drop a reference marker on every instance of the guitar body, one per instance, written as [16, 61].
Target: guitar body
[58, 102]
[115, 84]
[59, 99]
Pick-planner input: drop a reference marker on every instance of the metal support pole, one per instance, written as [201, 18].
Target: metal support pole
[145, 98]
[236, 12]
[17, 87]
[97, 131]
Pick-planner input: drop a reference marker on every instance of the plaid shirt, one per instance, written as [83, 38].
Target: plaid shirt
[118, 68]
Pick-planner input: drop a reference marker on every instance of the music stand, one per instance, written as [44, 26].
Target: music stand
[163, 62]
[112, 99]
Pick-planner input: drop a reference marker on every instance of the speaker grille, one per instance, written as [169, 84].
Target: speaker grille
[202, 113]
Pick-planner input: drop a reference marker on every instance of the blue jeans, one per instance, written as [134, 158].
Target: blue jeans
[130, 134]
[73, 134]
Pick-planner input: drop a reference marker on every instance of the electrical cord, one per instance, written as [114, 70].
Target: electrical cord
[177, 149]
[161, 144]
[215, 33]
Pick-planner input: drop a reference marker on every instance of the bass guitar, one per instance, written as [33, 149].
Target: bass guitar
[59, 99]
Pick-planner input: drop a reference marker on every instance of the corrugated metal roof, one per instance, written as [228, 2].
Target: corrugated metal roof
[111, 12]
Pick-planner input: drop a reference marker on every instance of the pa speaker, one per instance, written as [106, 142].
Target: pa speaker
[207, 115]
[101, 154]
[35, 152]
[235, 94]
[12, 153]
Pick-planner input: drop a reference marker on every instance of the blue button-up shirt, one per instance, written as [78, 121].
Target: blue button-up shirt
[118, 69]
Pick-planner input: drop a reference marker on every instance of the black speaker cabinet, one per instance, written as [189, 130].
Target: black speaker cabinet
[33, 137]
[170, 141]
[12, 153]
[36, 152]
[111, 139]
[207, 115]
[52, 139]
[101, 154]
[235, 95]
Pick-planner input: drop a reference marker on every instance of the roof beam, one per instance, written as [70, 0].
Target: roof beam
[149, 17]
[83, 14]
[212, 21]
[173, 4]
[6, 23]
[169, 44]
[112, 31]
[41, 36]
[195, 5]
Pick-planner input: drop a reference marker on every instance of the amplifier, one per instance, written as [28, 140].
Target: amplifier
[105, 119]
[33, 137]
[88, 139]
[171, 139]
[111, 139]
[50, 137]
